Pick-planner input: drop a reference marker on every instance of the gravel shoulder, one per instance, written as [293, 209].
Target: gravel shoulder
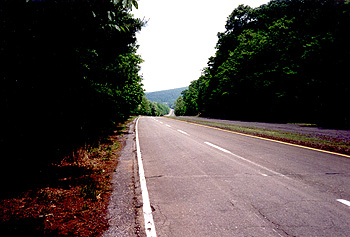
[124, 212]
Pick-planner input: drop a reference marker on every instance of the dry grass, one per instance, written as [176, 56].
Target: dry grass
[73, 202]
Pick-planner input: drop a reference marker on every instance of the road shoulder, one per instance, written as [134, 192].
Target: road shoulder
[123, 212]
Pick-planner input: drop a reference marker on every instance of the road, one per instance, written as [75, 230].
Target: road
[171, 113]
[208, 182]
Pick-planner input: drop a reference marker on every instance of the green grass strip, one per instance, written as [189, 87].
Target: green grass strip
[319, 142]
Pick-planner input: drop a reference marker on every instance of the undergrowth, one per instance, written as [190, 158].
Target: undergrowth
[72, 196]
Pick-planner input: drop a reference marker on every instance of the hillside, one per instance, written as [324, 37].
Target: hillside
[165, 97]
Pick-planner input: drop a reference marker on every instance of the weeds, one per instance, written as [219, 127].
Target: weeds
[103, 151]
[72, 192]
[90, 192]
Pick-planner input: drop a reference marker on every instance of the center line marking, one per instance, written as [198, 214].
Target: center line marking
[168, 125]
[262, 138]
[244, 159]
[219, 148]
[183, 132]
[346, 202]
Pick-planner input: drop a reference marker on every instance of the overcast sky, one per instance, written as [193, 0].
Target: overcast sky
[179, 38]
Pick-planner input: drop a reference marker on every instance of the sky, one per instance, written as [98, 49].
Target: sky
[179, 38]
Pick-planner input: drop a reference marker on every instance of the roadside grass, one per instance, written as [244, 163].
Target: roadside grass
[319, 142]
[73, 197]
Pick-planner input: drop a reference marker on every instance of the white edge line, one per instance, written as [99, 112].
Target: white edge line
[346, 202]
[150, 228]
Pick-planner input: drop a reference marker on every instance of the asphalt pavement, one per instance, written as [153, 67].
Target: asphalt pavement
[208, 182]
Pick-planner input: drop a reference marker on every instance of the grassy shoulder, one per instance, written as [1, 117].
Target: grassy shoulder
[74, 197]
[319, 142]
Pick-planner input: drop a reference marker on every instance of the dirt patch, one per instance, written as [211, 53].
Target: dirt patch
[75, 198]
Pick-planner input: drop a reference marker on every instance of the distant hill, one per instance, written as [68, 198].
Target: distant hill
[166, 97]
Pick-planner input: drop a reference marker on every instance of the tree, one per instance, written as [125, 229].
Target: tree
[283, 61]
[152, 108]
[69, 73]
[128, 3]
[180, 108]
[144, 107]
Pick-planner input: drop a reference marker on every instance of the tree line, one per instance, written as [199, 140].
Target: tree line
[150, 108]
[284, 61]
[69, 73]
[167, 97]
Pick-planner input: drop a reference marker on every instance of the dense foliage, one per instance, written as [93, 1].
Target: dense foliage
[150, 108]
[68, 71]
[283, 61]
[180, 107]
[167, 97]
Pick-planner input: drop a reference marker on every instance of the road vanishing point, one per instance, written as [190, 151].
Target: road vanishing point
[204, 181]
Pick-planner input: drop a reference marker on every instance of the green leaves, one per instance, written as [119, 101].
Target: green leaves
[180, 107]
[152, 108]
[282, 61]
[77, 57]
[127, 3]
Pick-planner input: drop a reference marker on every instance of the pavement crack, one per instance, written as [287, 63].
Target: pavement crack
[155, 176]
[276, 225]
[152, 208]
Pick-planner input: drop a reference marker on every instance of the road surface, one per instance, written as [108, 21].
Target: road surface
[171, 113]
[208, 182]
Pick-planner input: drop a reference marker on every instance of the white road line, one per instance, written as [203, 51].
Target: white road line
[147, 210]
[346, 202]
[246, 160]
[219, 148]
[276, 232]
[168, 125]
[183, 132]
[266, 139]
[161, 122]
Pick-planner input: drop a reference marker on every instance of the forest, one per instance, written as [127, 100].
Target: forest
[285, 61]
[167, 97]
[69, 74]
[152, 108]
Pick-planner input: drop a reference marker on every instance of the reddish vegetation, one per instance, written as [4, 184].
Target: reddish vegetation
[73, 203]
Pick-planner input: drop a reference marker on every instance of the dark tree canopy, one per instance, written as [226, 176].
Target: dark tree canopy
[283, 61]
[69, 70]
